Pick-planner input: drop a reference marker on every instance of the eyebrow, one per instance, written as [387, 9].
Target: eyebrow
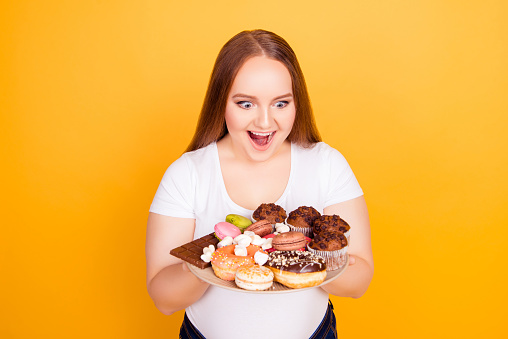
[240, 95]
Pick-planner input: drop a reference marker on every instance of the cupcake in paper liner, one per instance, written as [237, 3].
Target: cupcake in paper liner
[332, 246]
[332, 223]
[271, 212]
[302, 219]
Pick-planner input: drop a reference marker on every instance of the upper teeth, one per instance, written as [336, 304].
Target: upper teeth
[262, 134]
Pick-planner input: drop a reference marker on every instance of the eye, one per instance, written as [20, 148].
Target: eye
[245, 104]
[281, 104]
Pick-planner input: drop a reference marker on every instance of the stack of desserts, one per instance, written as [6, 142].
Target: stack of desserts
[296, 251]
[330, 240]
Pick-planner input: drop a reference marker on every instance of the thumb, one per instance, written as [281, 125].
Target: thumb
[352, 259]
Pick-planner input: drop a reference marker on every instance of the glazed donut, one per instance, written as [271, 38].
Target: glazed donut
[297, 269]
[225, 262]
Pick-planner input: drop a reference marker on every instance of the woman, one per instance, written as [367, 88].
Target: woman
[256, 142]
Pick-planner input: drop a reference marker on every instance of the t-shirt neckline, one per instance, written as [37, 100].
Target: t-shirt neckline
[223, 184]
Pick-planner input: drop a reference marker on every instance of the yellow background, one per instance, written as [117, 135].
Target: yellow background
[97, 98]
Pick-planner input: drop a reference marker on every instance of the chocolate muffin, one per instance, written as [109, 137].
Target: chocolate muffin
[332, 246]
[271, 212]
[328, 241]
[301, 220]
[332, 223]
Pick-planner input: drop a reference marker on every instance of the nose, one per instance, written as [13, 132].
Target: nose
[263, 118]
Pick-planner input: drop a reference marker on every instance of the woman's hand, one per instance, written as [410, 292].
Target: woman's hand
[170, 283]
[352, 260]
[356, 278]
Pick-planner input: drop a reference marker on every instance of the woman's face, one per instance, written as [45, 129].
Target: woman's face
[260, 108]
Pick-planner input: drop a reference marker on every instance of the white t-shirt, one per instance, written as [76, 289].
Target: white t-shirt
[193, 187]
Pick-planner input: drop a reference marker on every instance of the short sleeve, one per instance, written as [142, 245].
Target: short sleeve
[175, 196]
[342, 183]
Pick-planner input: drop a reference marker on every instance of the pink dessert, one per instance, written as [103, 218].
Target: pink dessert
[224, 229]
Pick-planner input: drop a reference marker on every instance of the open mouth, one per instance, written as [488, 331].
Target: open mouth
[261, 139]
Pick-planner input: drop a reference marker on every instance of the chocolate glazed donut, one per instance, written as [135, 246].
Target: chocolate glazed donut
[297, 269]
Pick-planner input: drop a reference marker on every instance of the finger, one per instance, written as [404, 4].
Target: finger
[352, 260]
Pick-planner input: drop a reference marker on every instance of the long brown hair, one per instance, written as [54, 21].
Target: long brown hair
[212, 124]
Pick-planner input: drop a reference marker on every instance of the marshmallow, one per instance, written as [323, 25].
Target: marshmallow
[225, 242]
[209, 250]
[267, 244]
[207, 253]
[206, 257]
[240, 250]
[243, 240]
[260, 258]
[258, 241]
[281, 228]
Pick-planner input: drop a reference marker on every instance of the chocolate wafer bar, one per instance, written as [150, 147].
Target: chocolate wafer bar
[192, 251]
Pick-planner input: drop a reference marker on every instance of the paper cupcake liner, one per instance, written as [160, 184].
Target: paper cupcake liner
[307, 231]
[347, 235]
[334, 259]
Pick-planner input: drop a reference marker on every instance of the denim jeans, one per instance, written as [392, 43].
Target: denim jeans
[327, 329]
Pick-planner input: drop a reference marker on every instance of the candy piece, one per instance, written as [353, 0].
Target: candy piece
[240, 250]
[239, 221]
[289, 241]
[191, 252]
[209, 250]
[243, 240]
[249, 233]
[259, 241]
[268, 244]
[225, 242]
[281, 228]
[206, 257]
[224, 229]
[260, 258]
[262, 228]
